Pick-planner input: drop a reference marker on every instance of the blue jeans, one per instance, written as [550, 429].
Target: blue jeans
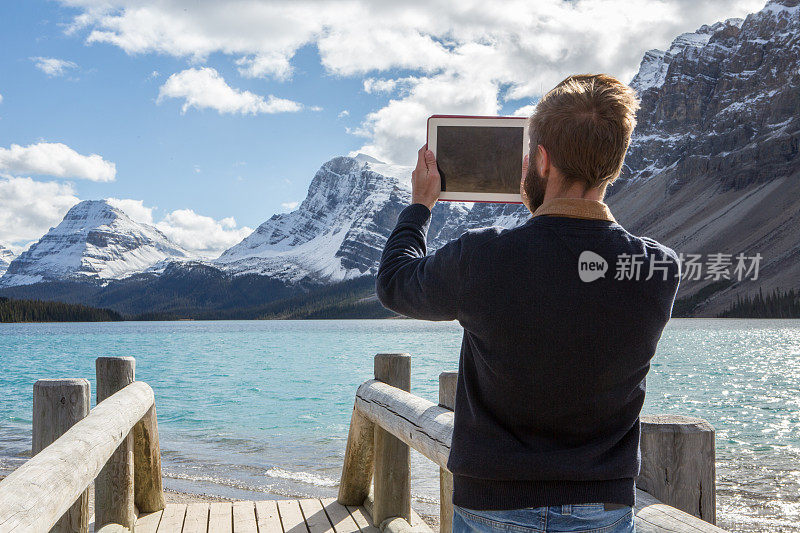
[576, 518]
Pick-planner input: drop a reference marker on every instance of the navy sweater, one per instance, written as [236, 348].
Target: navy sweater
[552, 368]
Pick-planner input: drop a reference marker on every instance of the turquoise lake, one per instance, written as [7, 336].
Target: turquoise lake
[253, 407]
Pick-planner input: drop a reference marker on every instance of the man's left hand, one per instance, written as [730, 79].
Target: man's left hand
[426, 183]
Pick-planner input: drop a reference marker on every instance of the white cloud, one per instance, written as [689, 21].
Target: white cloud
[57, 160]
[133, 208]
[524, 111]
[289, 206]
[343, 113]
[496, 53]
[1, 98]
[375, 85]
[200, 234]
[29, 208]
[204, 88]
[52, 66]
[398, 130]
[262, 65]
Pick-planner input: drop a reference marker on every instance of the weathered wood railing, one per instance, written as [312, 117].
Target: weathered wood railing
[115, 445]
[677, 456]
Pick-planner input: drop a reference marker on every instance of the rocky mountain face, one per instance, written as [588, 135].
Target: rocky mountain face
[339, 230]
[6, 256]
[94, 242]
[714, 165]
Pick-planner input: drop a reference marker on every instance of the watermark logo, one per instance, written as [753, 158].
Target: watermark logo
[716, 267]
[591, 266]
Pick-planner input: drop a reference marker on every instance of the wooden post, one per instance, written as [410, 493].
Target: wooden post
[392, 457]
[359, 460]
[113, 488]
[447, 399]
[58, 404]
[147, 483]
[678, 463]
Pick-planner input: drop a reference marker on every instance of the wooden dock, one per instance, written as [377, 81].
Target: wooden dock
[310, 515]
[115, 446]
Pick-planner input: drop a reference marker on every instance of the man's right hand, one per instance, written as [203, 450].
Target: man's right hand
[426, 183]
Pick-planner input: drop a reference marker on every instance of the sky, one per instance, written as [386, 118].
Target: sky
[205, 118]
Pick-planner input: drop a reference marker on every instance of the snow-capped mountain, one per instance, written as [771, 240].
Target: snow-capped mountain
[6, 256]
[94, 242]
[339, 230]
[653, 69]
[714, 164]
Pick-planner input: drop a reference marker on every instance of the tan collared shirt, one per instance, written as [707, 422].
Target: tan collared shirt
[575, 208]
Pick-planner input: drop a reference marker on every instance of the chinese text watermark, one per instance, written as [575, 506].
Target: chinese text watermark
[694, 267]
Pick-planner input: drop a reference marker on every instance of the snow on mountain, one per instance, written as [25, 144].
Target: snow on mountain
[94, 241]
[653, 69]
[6, 256]
[339, 230]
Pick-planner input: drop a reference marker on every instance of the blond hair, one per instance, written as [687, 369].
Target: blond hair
[585, 124]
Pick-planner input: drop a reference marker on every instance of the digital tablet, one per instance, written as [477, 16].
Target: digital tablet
[479, 158]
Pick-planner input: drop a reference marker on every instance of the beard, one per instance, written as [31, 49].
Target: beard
[533, 188]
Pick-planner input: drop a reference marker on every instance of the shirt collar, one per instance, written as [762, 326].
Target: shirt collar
[575, 208]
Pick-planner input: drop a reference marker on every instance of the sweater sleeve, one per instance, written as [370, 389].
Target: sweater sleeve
[414, 284]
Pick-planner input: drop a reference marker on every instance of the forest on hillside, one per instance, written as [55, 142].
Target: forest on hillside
[777, 304]
[12, 310]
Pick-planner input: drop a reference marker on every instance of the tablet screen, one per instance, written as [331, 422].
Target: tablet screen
[483, 159]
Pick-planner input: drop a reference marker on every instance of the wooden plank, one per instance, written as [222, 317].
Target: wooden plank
[267, 517]
[196, 518]
[35, 495]
[172, 519]
[316, 519]
[148, 523]
[244, 517]
[292, 517]
[220, 517]
[362, 518]
[652, 516]
[113, 528]
[339, 516]
[59, 404]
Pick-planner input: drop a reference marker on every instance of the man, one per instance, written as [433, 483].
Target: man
[555, 349]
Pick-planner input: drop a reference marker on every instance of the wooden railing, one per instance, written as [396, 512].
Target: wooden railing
[677, 456]
[115, 445]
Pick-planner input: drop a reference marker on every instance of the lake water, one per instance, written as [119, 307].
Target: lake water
[254, 407]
